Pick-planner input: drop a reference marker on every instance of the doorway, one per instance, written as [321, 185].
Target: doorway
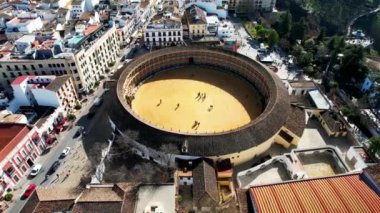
[30, 162]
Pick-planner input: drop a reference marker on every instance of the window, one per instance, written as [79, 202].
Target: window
[40, 65]
[62, 65]
[49, 65]
[18, 161]
[27, 73]
[16, 178]
[33, 67]
[16, 67]
[9, 67]
[23, 153]
[24, 67]
[286, 136]
[23, 168]
[43, 73]
[13, 75]
[4, 75]
[29, 147]
[10, 170]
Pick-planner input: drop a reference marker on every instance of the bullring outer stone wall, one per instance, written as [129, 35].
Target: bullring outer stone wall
[260, 130]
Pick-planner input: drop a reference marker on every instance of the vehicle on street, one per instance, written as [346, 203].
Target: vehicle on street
[90, 114]
[120, 66]
[98, 101]
[77, 133]
[65, 152]
[53, 168]
[35, 170]
[112, 72]
[29, 190]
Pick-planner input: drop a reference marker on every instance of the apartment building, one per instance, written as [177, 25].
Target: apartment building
[244, 7]
[84, 56]
[165, 28]
[21, 25]
[52, 91]
[196, 21]
[21, 146]
[78, 7]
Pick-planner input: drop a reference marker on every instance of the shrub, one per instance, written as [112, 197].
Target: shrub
[78, 107]
[8, 197]
[107, 70]
[102, 77]
[71, 117]
[111, 63]
[97, 83]
[91, 91]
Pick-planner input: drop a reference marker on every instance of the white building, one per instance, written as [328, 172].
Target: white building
[45, 91]
[164, 30]
[299, 87]
[22, 25]
[156, 198]
[211, 7]
[85, 57]
[212, 25]
[78, 7]
[226, 31]
[245, 7]
[24, 43]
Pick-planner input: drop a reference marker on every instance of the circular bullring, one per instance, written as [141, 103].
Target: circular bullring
[271, 111]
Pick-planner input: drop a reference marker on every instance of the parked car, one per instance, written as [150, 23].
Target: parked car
[29, 190]
[77, 133]
[35, 170]
[53, 168]
[90, 114]
[65, 152]
[98, 101]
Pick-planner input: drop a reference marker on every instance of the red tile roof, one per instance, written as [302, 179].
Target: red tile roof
[91, 28]
[10, 136]
[348, 193]
[20, 79]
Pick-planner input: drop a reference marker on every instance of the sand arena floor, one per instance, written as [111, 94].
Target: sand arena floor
[170, 100]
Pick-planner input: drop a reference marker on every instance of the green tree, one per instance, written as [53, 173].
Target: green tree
[352, 68]
[273, 38]
[8, 197]
[286, 24]
[262, 33]
[374, 146]
[309, 44]
[71, 117]
[298, 31]
[78, 106]
[306, 58]
[322, 34]
[297, 50]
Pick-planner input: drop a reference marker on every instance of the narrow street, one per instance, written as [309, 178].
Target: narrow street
[65, 139]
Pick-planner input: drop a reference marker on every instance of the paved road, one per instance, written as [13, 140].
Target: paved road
[65, 139]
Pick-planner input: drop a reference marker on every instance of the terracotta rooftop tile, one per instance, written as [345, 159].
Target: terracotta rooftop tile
[348, 193]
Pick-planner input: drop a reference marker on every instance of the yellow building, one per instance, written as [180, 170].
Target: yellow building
[196, 21]
[291, 132]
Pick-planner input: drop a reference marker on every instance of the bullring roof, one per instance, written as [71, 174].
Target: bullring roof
[260, 130]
